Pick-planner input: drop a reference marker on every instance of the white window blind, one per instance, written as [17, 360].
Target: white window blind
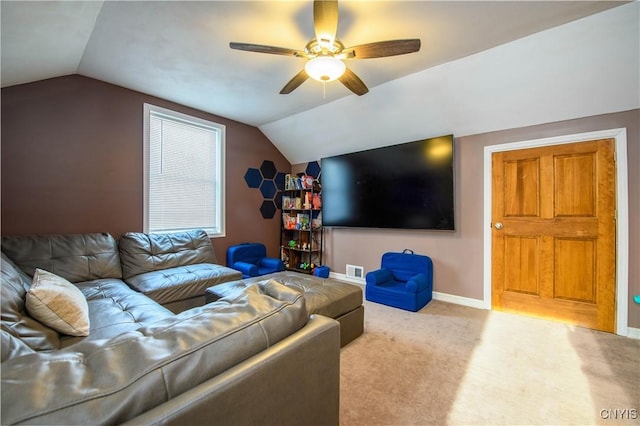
[184, 173]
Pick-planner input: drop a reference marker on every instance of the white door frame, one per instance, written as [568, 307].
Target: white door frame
[622, 210]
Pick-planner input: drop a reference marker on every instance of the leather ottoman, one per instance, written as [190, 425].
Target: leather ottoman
[323, 296]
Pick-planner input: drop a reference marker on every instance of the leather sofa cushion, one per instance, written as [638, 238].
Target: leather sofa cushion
[15, 319]
[74, 257]
[120, 378]
[182, 282]
[11, 346]
[328, 297]
[140, 252]
[114, 308]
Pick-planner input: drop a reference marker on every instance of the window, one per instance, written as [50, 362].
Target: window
[183, 173]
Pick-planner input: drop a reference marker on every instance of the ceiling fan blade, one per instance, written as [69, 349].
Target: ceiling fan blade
[325, 20]
[260, 48]
[293, 84]
[382, 49]
[353, 82]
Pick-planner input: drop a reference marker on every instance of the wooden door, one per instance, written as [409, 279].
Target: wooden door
[553, 233]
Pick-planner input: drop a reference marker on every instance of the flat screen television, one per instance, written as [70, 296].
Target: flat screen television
[405, 186]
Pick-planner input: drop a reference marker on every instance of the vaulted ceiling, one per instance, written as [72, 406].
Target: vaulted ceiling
[180, 50]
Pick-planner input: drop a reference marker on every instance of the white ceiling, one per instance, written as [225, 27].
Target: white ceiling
[180, 50]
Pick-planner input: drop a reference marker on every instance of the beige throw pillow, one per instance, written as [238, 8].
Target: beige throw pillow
[57, 303]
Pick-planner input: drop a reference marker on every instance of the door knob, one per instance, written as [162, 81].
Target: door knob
[498, 225]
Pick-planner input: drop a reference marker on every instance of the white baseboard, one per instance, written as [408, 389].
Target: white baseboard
[459, 300]
[633, 333]
[343, 277]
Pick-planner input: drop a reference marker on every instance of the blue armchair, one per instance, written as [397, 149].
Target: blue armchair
[405, 281]
[251, 259]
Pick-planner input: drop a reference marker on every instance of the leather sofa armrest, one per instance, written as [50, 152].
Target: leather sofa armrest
[304, 368]
[272, 263]
[248, 269]
[379, 276]
[417, 283]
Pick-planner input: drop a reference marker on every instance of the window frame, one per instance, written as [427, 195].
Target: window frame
[220, 129]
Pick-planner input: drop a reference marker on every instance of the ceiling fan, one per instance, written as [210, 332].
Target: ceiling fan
[325, 53]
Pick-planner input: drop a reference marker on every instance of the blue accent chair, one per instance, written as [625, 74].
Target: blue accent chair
[251, 259]
[405, 281]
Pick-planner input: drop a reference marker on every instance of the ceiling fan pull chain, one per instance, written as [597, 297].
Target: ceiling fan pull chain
[324, 90]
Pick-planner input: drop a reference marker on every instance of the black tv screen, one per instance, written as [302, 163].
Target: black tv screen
[406, 186]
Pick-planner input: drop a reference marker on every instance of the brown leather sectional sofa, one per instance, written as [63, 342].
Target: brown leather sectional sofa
[256, 357]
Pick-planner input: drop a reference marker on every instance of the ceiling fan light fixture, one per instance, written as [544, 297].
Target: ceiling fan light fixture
[325, 68]
[325, 52]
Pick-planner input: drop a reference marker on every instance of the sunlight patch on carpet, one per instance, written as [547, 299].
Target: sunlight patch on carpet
[546, 385]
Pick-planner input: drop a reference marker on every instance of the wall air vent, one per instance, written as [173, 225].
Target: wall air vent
[355, 271]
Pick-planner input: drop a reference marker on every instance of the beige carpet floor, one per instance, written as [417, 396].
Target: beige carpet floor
[449, 364]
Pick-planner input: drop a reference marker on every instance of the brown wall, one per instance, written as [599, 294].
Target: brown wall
[72, 162]
[458, 256]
